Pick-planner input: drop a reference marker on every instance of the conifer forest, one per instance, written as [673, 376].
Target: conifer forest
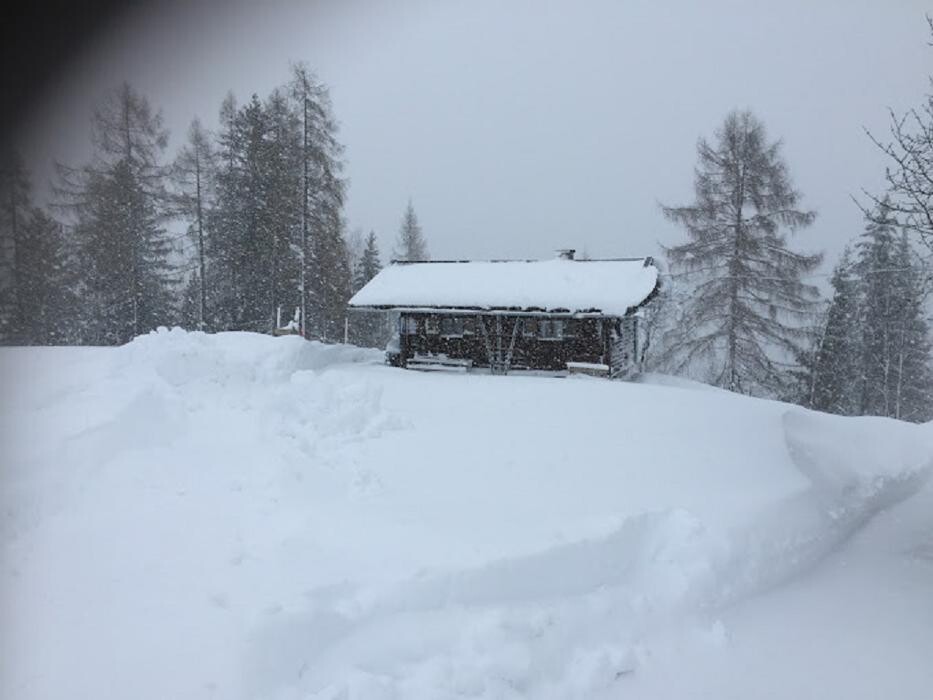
[242, 227]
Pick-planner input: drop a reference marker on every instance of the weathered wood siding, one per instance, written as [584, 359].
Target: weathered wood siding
[543, 342]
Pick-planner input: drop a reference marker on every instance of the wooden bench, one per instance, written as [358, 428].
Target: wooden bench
[438, 363]
[591, 368]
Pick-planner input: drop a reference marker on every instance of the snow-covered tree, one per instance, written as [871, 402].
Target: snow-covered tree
[749, 308]
[410, 246]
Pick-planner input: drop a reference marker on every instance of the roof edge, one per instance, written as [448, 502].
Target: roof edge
[648, 261]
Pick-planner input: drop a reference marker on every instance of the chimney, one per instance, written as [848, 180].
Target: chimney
[566, 253]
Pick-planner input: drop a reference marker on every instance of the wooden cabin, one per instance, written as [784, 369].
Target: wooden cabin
[561, 315]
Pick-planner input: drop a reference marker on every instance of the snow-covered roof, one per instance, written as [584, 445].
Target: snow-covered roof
[609, 287]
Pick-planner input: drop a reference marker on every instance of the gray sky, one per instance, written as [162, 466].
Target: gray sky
[518, 127]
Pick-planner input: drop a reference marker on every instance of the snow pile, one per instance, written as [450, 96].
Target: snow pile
[180, 357]
[841, 456]
[575, 620]
[241, 516]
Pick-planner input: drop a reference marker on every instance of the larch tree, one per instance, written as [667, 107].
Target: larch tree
[193, 178]
[749, 308]
[325, 274]
[117, 202]
[410, 245]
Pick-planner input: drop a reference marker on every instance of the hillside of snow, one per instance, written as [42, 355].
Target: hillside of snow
[241, 516]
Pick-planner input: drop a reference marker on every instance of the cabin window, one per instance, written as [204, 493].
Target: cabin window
[432, 325]
[408, 325]
[469, 325]
[530, 326]
[550, 329]
[452, 326]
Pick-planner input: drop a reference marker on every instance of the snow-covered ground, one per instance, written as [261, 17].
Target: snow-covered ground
[240, 516]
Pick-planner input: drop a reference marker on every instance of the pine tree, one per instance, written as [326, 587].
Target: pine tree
[45, 283]
[324, 279]
[192, 174]
[369, 327]
[837, 361]
[14, 206]
[410, 246]
[190, 304]
[750, 308]
[284, 192]
[276, 232]
[331, 282]
[255, 222]
[125, 255]
[118, 204]
[895, 376]
[369, 264]
[252, 252]
[36, 271]
[356, 243]
[874, 354]
[227, 220]
[913, 386]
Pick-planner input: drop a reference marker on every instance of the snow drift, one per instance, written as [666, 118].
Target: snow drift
[236, 515]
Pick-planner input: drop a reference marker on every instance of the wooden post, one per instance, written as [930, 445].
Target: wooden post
[516, 329]
[498, 343]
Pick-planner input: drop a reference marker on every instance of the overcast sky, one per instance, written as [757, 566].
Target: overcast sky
[521, 127]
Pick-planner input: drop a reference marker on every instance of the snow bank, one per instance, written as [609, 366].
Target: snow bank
[575, 620]
[840, 455]
[234, 515]
[179, 356]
